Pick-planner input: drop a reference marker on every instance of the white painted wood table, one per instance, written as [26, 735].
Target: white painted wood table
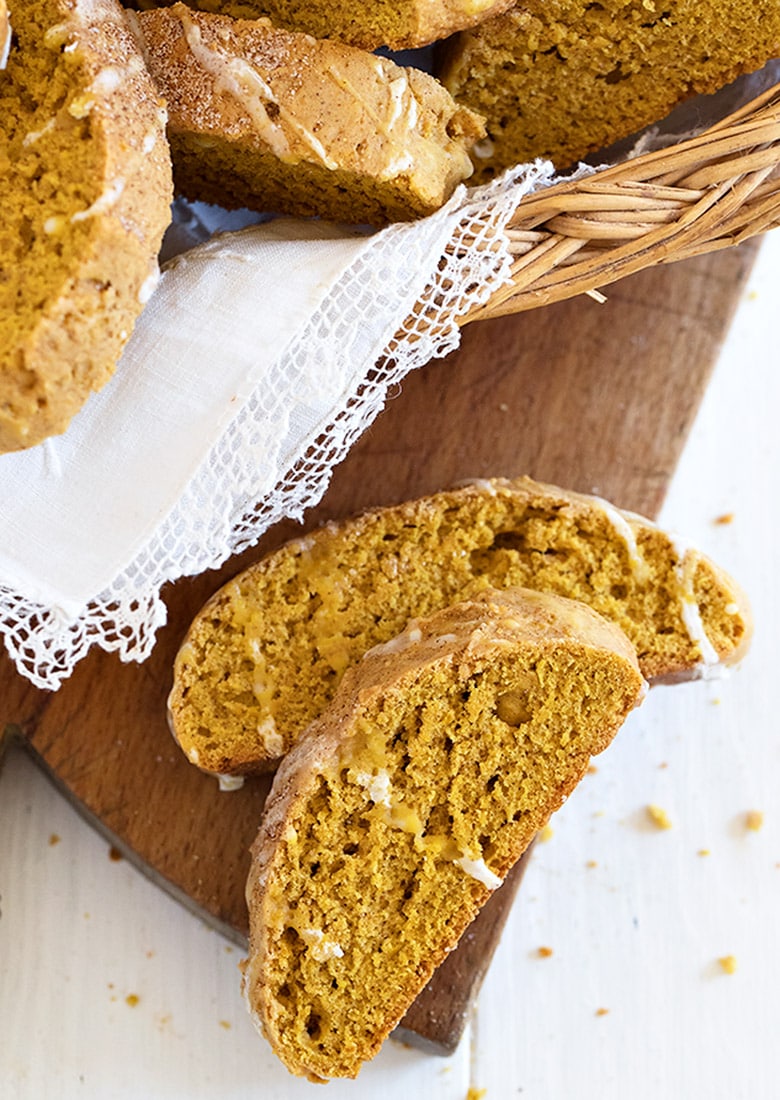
[109, 989]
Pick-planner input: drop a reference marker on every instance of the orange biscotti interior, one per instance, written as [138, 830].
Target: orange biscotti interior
[562, 78]
[406, 803]
[85, 191]
[274, 120]
[266, 653]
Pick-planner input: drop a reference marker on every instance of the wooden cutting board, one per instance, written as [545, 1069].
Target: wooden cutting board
[596, 397]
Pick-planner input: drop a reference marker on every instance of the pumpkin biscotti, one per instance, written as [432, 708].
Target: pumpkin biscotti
[276, 121]
[406, 803]
[562, 78]
[85, 191]
[265, 655]
[403, 25]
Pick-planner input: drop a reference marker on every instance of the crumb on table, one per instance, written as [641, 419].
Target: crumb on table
[728, 964]
[658, 816]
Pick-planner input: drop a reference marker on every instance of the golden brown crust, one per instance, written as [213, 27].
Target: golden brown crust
[85, 190]
[265, 654]
[273, 120]
[411, 796]
[560, 79]
[403, 25]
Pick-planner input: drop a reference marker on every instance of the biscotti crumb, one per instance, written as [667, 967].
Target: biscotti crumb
[475, 1094]
[725, 519]
[545, 834]
[54, 839]
[754, 819]
[728, 964]
[658, 817]
[602, 1011]
[544, 952]
[703, 852]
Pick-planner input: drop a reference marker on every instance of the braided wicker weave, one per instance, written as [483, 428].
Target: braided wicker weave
[707, 193]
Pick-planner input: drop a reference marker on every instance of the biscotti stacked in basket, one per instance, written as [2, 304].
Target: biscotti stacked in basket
[434, 677]
[260, 113]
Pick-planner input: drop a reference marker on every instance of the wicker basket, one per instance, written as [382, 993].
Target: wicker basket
[707, 193]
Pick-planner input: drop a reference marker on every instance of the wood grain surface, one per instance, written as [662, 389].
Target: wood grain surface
[596, 397]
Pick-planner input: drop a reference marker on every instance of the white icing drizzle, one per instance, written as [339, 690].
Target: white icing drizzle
[689, 607]
[401, 116]
[34, 135]
[377, 786]
[81, 105]
[321, 949]
[238, 78]
[273, 742]
[148, 286]
[483, 149]
[402, 641]
[398, 815]
[396, 88]
[56, 35]
[108, 80]
[54, 224]
[230, 782]
[103, 203]
[395, 167]
[5, 47]
[624, 531]
[478, 869]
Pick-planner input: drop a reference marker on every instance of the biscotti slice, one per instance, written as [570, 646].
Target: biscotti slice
[272, 120]
[406, 803]
[85, 191]
[403, 25]
[265, 654]
[561, 78]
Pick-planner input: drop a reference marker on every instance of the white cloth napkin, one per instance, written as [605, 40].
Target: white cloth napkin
[261, 356]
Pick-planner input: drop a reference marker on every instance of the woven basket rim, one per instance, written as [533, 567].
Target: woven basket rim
[708, 192]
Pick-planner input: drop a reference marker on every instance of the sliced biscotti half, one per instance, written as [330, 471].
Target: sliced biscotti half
[562, 78]
[85, 191]
[273, 120]
[407, 801]
[266, 653]
[403, 25]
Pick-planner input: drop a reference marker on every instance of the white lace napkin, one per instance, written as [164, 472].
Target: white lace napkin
[260, 358]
